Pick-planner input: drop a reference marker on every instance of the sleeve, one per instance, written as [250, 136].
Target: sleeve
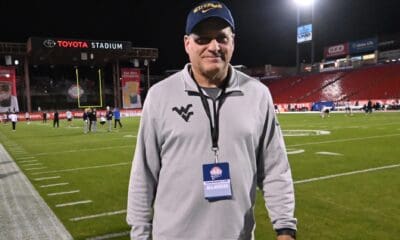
[144, 176]
[274, 175]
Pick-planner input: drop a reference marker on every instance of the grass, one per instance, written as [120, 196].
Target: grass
[359, 206]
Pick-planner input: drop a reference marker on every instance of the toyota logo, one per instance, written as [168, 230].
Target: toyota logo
[49, 43]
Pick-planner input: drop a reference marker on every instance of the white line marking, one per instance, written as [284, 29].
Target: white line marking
[97, 215]
[36, 168]
[83, 150]
[32, 164]
[46, 178]
[329, 153]
[28, 161]
[23, 158]
[109, 236]
[73, 203]
[54, 185]
[346, 174]
[343, 140]
[63, 193]
[83, 168]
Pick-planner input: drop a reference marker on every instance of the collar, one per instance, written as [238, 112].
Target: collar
[190, 85]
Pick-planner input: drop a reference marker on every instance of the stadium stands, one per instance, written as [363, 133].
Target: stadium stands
[374, 82]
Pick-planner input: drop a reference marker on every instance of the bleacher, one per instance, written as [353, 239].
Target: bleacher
[373, 82]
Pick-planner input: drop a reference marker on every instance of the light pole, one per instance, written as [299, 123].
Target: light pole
[302, 4]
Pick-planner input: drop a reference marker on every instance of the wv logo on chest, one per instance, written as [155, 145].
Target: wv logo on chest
[184, 111]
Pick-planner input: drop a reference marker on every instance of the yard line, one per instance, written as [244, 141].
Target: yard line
[109, 236]
[37, 168]
[73, 203]
[26, 161]
[22, 158]
[54, 185]
[344, 140]
[346, 174]
[83, 150]
[32, 164]
[63, 193]
[46, 178]
[83, 168]
[98, 215]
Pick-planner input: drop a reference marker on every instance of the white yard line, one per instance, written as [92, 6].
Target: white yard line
[27, 161]
[83, 168]
[84, 150]
[109, 236]
[346, 174]
[36, 168]
[54, 185]
[63, 193]
[32, 164]
[73, 203]
[344, 140]
[98, 215]
[22, 158]
[46, 178]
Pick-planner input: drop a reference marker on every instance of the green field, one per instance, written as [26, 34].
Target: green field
[337, 201]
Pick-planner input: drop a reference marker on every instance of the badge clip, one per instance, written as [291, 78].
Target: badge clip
[215, 150]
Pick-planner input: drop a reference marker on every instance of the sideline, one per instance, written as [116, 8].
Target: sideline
[24, 214]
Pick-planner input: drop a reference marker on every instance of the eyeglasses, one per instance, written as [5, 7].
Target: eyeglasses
[204, 40]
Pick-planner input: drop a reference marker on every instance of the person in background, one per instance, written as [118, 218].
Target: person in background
[109, 116]
[14, 119]
[69, 116]
[85, 117]
[27, 118]
[56, 119]
[117, 117]
[93, 120]
[44, 117]
[197, 163]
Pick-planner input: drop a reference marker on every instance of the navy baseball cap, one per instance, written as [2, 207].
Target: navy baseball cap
[207, 10]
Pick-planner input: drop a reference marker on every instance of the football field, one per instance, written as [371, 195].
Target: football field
[346, 171]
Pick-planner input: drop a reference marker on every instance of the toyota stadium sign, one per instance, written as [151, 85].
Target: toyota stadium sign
[59, 43]
[337, 50]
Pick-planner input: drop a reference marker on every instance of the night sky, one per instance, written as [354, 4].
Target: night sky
[265, 30]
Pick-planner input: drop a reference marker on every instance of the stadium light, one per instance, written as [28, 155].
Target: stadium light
[301, 3]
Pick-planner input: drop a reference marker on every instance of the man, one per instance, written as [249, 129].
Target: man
[69, 115]
[14, 119]
[56, 119]
[117, 117]
[7, 100]
[207, 138]
[109, 116]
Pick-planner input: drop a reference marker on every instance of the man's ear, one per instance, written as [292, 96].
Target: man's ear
[186, 43]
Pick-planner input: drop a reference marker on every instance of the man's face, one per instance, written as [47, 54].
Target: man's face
[5, 90]
[5, 94]
[210, 47]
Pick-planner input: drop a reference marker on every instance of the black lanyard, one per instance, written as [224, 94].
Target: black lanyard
[214, 128]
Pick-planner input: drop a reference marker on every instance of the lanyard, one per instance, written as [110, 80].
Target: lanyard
[213, 127]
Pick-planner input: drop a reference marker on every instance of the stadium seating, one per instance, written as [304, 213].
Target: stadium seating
[374, 82]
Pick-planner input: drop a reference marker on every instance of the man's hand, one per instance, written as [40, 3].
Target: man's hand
[284, 237]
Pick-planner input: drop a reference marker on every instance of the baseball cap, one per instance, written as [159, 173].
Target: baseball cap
[207, 10]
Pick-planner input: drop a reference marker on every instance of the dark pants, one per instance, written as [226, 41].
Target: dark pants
[56, 122]
[117, 121]
[13, 125]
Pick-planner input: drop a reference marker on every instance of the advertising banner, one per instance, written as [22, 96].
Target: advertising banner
[365, 45]
[8, 90]
[337, 50]
[304, 33]
[130, 78]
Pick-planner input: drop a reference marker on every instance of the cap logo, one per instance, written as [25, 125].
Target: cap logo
[207, 7]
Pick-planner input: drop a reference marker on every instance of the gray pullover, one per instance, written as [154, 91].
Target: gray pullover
[166, 199]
